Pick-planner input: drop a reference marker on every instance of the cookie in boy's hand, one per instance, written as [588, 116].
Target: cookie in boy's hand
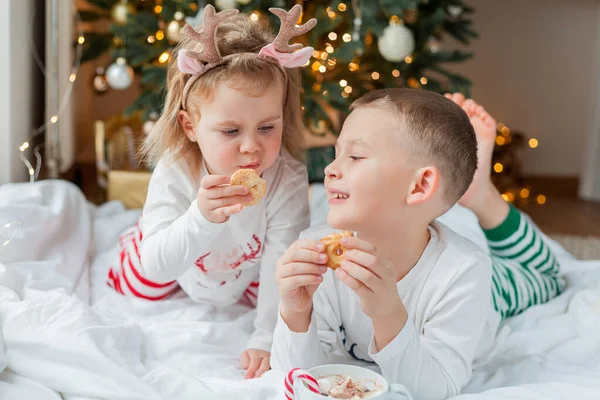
[257, 186]
[334, 249]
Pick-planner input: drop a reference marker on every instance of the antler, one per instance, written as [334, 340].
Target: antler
[206, 35]
[288, 28]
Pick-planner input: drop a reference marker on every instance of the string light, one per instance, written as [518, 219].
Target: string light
[413, 83]
[353, 66]
[33, 173]
[524, 193]
[375, 75]
[510, 197]
[331, 62]
[500, 140]
[325, 92]
[160, 35]
[504, 196]
[6, 235]
[408, 59]
[423, 80]
[541, 199]
[498, 167]
[254, 16]
[348, 89]
[343, 83]
[316, 87]
[158, 9]
[329, 49]
[533, 143]
[163, 58]
[324, 55]
[394, 19]
[151, 39]
[315, 66]
[505, 131]
[395, 73]
[322, 69]
[316, 53]
[347, 37]
[345, 95]
[342, 7]
[332, 36]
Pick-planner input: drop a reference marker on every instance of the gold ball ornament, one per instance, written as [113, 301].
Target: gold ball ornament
[174, 31]
[121, 12]
[100, 83]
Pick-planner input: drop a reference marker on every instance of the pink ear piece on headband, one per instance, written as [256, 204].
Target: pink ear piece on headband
[187, 64]
[287, 60]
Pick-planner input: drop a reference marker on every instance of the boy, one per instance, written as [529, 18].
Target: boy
[412, 297]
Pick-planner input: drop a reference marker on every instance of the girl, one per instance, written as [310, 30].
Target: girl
[233, 102]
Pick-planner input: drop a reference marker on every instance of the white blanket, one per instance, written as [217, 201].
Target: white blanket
[62, 330]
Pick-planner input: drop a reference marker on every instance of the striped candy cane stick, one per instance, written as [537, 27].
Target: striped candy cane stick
[305, 377]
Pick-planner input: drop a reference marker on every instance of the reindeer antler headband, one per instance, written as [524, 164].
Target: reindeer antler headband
[280, 51]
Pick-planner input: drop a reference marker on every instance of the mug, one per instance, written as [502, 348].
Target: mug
[302, 392]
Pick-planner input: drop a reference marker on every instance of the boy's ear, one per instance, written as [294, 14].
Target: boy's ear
[186, 123]
[424, 185]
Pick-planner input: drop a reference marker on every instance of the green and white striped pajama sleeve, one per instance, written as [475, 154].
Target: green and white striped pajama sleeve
[525, 271]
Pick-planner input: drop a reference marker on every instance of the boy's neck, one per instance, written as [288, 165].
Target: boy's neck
[404, 247]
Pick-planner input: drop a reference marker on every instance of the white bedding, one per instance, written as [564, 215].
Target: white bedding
[53, 341]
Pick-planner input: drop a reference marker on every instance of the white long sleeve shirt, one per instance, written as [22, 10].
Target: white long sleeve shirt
[215, 263]
[451, 322]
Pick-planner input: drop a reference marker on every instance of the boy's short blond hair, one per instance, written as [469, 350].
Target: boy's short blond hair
[436, 130]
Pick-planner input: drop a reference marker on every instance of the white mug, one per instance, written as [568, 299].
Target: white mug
[302, 392]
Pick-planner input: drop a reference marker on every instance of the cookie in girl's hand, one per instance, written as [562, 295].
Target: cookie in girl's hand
[257, 186]
[334, 249]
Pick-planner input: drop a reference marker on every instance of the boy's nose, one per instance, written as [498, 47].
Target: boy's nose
[331, 171]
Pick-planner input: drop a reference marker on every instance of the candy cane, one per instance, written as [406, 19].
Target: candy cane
[305, 377]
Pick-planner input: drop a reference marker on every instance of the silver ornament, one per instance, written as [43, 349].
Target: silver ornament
[396, 43]
[225, 4]
[119, 75]
[454, 10]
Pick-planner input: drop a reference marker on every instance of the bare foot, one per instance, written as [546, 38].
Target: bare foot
[485, 130]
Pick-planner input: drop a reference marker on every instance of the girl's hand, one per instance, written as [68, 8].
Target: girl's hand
[218, 200]
[255, 362]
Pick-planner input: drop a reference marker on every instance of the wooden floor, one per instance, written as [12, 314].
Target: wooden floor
[566, 215]
[562, 213]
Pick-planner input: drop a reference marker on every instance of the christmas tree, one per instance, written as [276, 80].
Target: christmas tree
[359, 46]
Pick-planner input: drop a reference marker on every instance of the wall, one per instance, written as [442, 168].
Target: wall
[17, 79]
[534, 70]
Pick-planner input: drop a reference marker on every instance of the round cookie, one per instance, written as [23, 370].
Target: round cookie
[257, 187]
[333, 248]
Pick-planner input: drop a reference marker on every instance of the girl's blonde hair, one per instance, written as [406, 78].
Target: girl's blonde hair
[237, 34]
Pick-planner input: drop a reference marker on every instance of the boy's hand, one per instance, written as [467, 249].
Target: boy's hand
[373, 278]
[255, 362]
[299, 273]
[217, 200]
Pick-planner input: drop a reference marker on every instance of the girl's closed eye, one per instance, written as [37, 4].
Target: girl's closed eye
[230, 132]
[266, 128]
[356, 158]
